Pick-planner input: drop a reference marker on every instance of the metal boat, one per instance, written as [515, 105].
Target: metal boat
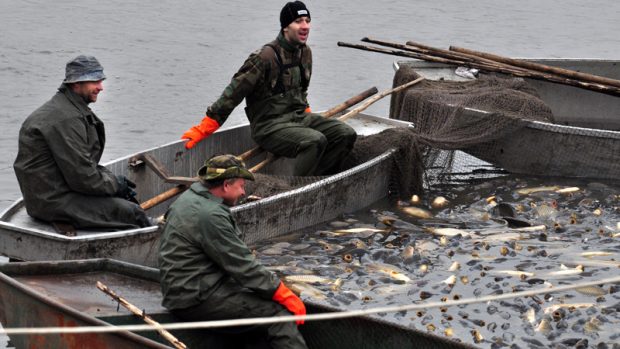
[24, 238]
[583, 141]
[64, 294]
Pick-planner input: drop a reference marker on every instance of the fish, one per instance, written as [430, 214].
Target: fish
[304, 289]
[520, 274]
[415, 200]
[439, 202]
[594, 263]
[544, 326]
[389, 270]
[358, 230]
[592, 291]
[339, 224]
[455, 266]
[530, 315]
[565, 271]
[449, 232]
[450, 281]
[546, 212]
[528, 191]
[502, 237]
[553, 308]
[408, 252]
[329, 247]
[309, 279]
[568, 190]
[417, 212]
[532, 228]
[595, 254]
[593, 325]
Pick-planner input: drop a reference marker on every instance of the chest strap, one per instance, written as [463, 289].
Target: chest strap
[279, 87]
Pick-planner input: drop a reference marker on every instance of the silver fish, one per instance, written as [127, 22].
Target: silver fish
[310, 279]
[527, 191]
[304, 289]
[389, 270]
[417, 212]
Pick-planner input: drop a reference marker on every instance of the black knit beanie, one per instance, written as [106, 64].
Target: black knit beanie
[291, 11]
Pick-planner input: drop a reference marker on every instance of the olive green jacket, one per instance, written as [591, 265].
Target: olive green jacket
[60, 145]
[268, 102]
[201, 248]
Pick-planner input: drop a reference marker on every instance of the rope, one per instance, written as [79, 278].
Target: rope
[310, 317]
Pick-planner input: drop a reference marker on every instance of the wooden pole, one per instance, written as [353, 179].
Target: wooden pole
[499, 67]
[167, 195]
[132, 308]
[571, 74]
[369, 102]
[170, 193]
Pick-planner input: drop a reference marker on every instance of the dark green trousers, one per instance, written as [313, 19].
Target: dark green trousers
[318, 144]
[230, 301]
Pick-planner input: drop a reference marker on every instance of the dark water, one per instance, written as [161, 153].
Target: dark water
[167, 60]
[383, 256]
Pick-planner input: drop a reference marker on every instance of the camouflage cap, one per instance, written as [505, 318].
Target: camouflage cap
[83, 68]
[224, 167]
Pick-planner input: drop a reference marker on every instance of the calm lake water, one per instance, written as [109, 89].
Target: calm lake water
[166, 61]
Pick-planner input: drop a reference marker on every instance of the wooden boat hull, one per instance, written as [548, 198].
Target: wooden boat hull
[584, 141]
[23, 238]
[63, 293]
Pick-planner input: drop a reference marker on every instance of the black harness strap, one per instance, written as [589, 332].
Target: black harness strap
[279, 88]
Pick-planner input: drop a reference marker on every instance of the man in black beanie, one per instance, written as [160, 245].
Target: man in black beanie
[274, 82]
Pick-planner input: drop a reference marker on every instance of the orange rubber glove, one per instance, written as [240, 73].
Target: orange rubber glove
[290, 301]
[199, 132]
[308, 110]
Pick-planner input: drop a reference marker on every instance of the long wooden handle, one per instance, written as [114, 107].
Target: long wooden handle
[499, 67]
[572, 74]
[132, 308]
[369, 102]
[168, 194]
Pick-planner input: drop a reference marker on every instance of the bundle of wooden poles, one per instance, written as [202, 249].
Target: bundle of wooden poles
[491, 63]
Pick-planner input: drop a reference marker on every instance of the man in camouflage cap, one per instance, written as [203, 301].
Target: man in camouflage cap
[57, 164]
[274, 82]
[206, 270]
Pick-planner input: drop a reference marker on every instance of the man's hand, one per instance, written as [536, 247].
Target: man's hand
[199, 132]
[126, 189]
[290, 301]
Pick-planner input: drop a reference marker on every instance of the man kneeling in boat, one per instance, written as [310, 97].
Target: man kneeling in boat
[208, 273]
[274, 82]
[57, 163]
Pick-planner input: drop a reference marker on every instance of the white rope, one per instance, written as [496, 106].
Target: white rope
[310, 317]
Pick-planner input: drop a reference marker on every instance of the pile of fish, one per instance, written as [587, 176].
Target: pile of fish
[502, 236]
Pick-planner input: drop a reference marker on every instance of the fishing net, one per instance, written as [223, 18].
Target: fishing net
[447, 116]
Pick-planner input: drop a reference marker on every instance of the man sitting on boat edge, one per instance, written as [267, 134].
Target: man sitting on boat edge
[57, 164]
[207, 272]
[274, 82]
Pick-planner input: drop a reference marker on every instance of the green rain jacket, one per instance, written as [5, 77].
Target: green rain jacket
[57, 166]
[274, 82]
[201, 248]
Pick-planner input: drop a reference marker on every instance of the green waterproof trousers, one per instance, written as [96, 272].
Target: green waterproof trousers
[231, 301]
[318, 144]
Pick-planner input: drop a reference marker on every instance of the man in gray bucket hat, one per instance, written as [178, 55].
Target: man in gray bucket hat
[57, 164]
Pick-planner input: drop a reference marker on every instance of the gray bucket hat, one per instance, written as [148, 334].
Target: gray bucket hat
[83, 68]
